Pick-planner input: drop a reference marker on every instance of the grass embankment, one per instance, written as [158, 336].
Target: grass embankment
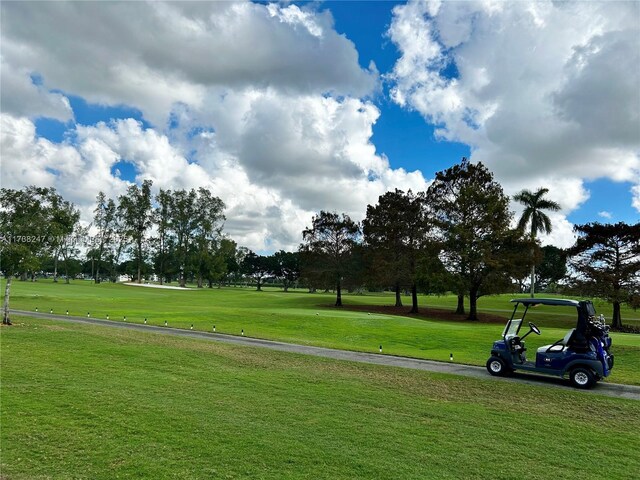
[303, 318]
[88, 402]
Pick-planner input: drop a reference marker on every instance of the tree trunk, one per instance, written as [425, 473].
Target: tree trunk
[55, 269]
[66, 270]
[140, 261]
[533, 280]
[199, 280]
[616, 321]
[473, 301]
[398, 295]
[533, 261]
[259, 289]
[7, 291]
[460, 307]
[338, 294]
[414, 299]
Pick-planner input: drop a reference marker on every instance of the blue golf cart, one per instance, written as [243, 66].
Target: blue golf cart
[583, 353]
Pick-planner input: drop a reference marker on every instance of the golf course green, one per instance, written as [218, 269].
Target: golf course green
[310, 319]
[90, 402]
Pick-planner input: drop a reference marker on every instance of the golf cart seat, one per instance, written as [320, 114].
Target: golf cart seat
[560, 345]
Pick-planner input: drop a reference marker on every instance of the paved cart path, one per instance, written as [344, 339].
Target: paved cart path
[602, 388]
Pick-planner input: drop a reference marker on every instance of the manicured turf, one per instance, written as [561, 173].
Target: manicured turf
[299, 317]
[88, 402]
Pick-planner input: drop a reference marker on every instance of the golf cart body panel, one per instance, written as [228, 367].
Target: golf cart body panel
[583, 351]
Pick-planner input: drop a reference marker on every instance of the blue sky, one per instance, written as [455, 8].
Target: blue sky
[409, 141]
[293, 108]
[402, 134]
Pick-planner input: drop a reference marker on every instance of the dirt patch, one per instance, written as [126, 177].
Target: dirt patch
[423, 313]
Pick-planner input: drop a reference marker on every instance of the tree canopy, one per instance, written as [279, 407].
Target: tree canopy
[454, 237]
[394, 232]
[471, 217]
[137, 215]
[33, 221]
[606, 259]
[327, 249]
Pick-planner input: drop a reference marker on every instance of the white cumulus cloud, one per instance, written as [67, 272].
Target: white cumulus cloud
[547, 94]
[266, 105]
[152, 55]
[267, 206]
[21, 96]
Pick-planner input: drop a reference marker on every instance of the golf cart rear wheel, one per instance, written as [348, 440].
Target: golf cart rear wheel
[582, 377]
[496, 367]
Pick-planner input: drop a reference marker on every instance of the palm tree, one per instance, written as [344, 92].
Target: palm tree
[534, 203]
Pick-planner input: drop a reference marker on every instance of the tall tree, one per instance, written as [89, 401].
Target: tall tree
[207, 236]
[228, 253]
[26, 225]
[607, 261]
[383, 235]
[195, 222]
[115, 249]
[64, 220]
[327, 247]
[137, 217]
[105, 218]
[162, 219]
[216, 263]
[395, 231]
[471, 216]
[236, 264]
[69, 250]
[534, 216]
[183, 223]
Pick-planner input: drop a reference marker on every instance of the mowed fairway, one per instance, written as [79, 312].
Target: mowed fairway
[299, 317]
[82, 401]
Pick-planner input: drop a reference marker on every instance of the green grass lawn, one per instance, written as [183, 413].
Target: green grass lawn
[88, 402]
[299, 317]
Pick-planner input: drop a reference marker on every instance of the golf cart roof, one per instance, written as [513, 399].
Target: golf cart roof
[530, 302]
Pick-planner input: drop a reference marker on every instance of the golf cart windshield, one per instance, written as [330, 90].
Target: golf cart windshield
[512, 327]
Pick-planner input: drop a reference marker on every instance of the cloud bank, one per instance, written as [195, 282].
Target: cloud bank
[267, 105]
[545, 93]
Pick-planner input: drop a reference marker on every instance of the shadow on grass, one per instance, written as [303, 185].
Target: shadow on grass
[423, 313]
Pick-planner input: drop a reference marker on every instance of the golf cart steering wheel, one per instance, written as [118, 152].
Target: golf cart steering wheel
[534, 328]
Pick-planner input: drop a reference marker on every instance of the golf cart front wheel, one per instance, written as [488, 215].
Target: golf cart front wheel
[496, 367]
[582, 378]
